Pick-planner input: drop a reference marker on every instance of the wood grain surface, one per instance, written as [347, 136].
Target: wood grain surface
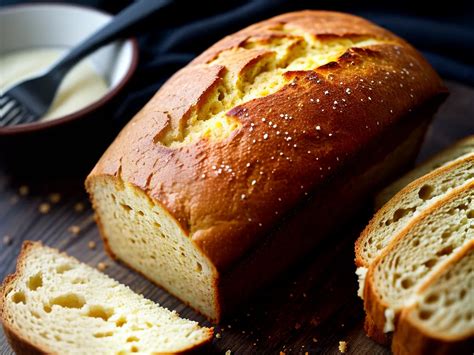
[310, 308]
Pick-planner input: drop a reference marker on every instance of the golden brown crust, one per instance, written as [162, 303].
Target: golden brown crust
[375, 333]
[395, 201]
[221, 223]
[441, 158]
[373, 304]
[412, 338]
[17, 340]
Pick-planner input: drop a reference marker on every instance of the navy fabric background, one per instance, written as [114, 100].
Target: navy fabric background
[443, 31]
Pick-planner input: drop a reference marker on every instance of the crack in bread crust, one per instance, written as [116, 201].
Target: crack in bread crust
[257, 68]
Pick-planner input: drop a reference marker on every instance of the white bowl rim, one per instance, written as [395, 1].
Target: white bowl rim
[41, 125]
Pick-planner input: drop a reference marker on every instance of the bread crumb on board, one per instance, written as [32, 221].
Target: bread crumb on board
[7, 240]
[228, 352]
[91, 244]
[44, 208]
[102, 266]
[74, 229]
[79, 207]
[218, 335]
[24, 190]
[342, 346]
[54, 197]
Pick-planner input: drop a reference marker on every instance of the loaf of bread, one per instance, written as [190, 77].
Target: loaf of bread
[53, 304]
[458, 149]
[259, 148]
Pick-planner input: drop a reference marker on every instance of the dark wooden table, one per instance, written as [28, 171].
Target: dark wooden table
[308, 309]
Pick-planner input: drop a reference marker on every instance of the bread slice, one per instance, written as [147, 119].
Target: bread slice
[406, 205]
[55, 304]
[460, 148]
[424, 246]
[442, 319]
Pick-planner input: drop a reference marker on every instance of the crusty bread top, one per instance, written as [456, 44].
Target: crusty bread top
[310, 90]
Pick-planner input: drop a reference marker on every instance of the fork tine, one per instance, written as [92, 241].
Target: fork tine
[9, 105]
[20, 117]
[5, 100]
[10, 115]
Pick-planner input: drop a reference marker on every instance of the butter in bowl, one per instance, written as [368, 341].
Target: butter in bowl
[74, 130]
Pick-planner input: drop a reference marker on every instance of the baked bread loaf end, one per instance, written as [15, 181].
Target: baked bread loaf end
[257, 149]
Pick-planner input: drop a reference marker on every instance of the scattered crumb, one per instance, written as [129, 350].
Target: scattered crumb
[228, 352]
[282, 353]
[297, 326]
[44, 207]
[342, 346]
[218, 335]
[315, 340]
[102, 266]
[74, 229]
[79, 207]
[24, 190]
[314, 321]
[55, 197]
[91, 244]
[7, 240]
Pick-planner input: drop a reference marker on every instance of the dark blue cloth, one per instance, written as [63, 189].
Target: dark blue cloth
[443, 31]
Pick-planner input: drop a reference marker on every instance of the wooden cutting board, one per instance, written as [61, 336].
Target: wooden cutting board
[311, 308]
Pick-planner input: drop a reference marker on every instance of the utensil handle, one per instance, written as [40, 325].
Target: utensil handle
[113, 30]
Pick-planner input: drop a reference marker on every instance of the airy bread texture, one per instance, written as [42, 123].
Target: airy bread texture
[427, 244]
[54, 304]
[196, 191]
[408, 203]
[460, 148]
[442, 318]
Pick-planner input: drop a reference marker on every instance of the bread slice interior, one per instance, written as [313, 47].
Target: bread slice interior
[140, 232]
[423, 247]
[56, 304]
[444, 307]
[409, 203]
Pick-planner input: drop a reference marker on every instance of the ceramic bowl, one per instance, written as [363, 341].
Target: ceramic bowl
[62, 26]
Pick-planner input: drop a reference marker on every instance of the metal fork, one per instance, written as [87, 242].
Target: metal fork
[29, 100]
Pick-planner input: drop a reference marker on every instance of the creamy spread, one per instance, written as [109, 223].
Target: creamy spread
[81, 86]
[389, 325]
[361, 273]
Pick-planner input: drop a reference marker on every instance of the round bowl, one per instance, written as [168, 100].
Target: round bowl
[63, 26]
